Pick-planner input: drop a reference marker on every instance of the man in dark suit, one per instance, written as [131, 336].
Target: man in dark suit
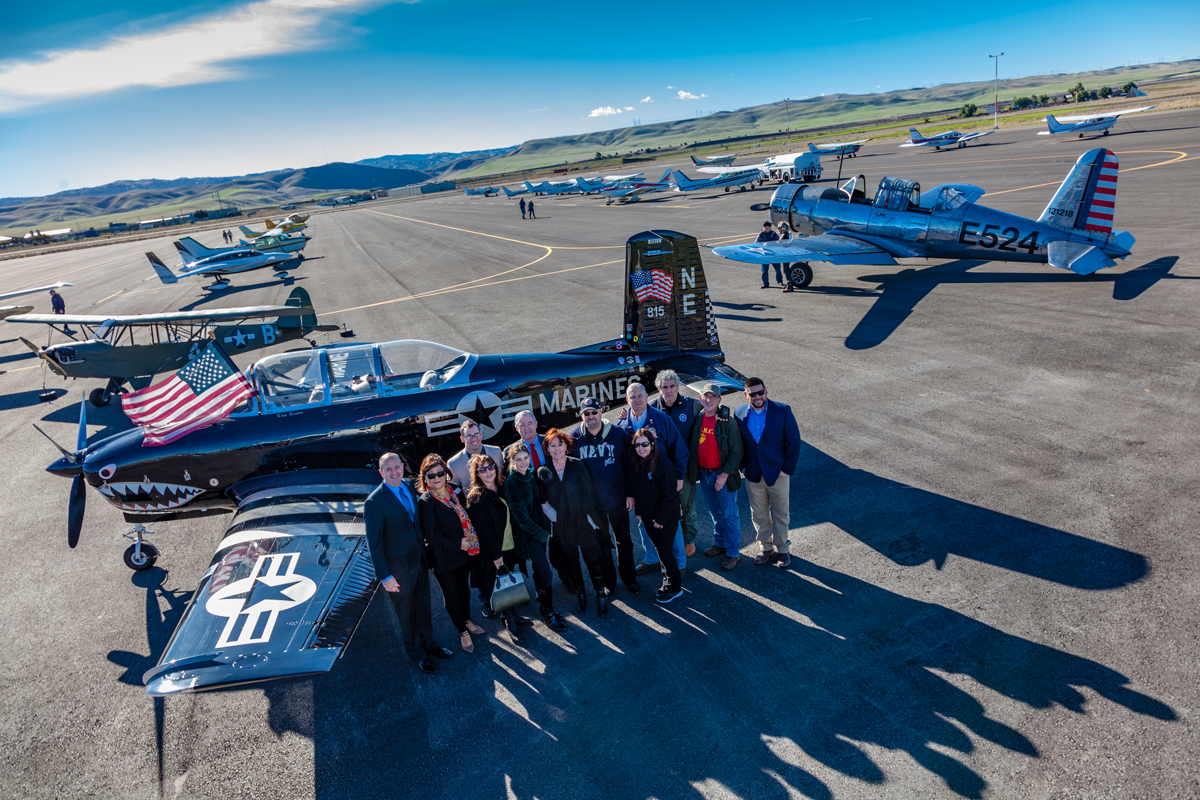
[771, 439]
[398, 554]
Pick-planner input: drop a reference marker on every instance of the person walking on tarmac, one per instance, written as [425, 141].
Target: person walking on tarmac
[769, 235]
[785, 235]
[530, 208]
[522, 208]
[59, 306]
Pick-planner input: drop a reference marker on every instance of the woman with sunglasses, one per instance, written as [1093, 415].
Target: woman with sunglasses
[570, 497]
[530, 526]
[452, 543]
[498, 545]
[651, 481]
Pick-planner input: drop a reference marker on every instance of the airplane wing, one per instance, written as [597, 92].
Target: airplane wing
[7, 295]
[285, 591]
[829, 247]
[9, 311]
[974, 135]
[835, 145]
[696, 371]
[192, 317]
[1106, 115]
[727, 170]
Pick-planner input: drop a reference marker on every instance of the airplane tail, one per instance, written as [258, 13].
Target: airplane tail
[812, 148]
[191, 251]
[1056, 126]
[1087, 199]
[249, 233]
[270, 224]
[299, 299]
[164, 274]
[697, 163]
[510, 193]
[667, 306]
[682, 181]
[914, 135]
[666, 177]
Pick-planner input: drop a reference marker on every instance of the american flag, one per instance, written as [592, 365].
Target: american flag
[204, 392]
[653, 284]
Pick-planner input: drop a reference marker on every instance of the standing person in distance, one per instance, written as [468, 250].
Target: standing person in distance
[530, 209]
[452, 543]
[683, 411]
[522, 208]
[497, 543]
[398, 555]
[530, 525]
[566, 486]
[768, 234]
[59, 306]
[716, 456]
[785, 235]
[655, 499]
[605, 449]
[472, 439]
[772, 444]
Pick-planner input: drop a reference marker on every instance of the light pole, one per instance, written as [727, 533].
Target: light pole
[996, 108]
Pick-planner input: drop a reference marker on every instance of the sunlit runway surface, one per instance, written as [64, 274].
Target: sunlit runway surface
[992, 591]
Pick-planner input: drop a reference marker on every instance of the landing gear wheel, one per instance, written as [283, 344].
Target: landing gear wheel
[139, 561]
[1106, 133]
[800, 275]
[727, 188]
[99, 398]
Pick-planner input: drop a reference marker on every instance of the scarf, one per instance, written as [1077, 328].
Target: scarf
[468, 528]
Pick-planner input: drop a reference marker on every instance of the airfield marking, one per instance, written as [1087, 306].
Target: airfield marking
[1179, 156]
[110, 297]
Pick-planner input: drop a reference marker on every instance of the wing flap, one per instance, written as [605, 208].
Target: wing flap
[286, 589]
[825, 247]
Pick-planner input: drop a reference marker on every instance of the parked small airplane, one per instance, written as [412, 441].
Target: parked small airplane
[606, 182]
[552, 187]
[485, 191]
[241, 259]
[838, 149]
[712, 161]
[513, 193]
[1082, 123]
[6, 311]
[292, 576]
[191, 251]
[631, 192]
[293, 223]
[729, 178]
[940, 140]
[105, 347]
[1074, 231]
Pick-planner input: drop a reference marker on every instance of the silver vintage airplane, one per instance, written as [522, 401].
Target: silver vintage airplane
[844, 226]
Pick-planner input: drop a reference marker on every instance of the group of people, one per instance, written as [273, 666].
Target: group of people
[227, 235]
[768, 234]
[566, 496]
[527, 208]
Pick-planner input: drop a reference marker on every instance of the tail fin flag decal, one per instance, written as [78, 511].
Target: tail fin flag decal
[1103, 195]
[667, 305]
[1087, 199]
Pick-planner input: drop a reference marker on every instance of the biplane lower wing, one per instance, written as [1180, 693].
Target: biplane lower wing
[287, 586]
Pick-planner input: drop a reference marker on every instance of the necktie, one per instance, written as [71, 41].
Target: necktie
[533, 455]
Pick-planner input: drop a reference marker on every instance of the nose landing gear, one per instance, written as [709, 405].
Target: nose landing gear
[141, 554]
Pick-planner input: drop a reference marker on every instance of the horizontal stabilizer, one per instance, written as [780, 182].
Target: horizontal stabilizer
[1082, 259]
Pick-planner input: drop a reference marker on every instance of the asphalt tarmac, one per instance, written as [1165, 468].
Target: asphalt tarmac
[992, 591]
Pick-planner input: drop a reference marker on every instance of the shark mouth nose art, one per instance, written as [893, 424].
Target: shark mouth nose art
[148, 496]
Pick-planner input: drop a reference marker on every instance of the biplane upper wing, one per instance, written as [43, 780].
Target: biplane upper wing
[287, 586]
[179, 317]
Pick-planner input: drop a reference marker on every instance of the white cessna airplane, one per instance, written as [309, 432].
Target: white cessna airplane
[838, 149]
[708, 161]
[940, 140]
[1082, 123]
[728, 178]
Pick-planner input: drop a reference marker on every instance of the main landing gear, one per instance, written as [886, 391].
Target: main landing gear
[141, 554]
[800, 275]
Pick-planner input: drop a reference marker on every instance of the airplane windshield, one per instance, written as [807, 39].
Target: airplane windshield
[410, 364]
[291, 379]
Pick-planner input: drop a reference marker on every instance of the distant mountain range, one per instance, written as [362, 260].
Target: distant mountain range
[438, 164]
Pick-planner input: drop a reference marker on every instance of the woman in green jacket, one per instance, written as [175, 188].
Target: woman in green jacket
[531, 529]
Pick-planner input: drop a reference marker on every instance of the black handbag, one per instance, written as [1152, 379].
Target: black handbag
[510, 590]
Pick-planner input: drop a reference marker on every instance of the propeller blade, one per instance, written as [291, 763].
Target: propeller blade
[81, 436]
[75, 509]
[760, 206]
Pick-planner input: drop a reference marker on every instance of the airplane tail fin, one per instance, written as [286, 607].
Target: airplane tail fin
[509, 193]
[164, 274]
[270, 224]
[1087, 199]
[1054, 125]
[249, 233]
[681, 180]
[812, 148]
[299, 299]
[697, 163]
[191, 251]
[914, 135]
[667, 306]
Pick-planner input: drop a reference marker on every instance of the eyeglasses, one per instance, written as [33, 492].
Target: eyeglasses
[486, 467]
[591, 413]
[759, 393]
[433, 476]
[475, 435]
[640, 445]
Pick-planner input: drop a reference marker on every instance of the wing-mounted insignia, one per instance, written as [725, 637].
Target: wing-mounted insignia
[286, 588]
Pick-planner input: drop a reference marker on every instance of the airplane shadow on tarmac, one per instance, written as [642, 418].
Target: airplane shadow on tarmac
[900, 291]
[746, 307]
[737, 686]
[233, 290]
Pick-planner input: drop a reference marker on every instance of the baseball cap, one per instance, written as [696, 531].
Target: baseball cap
[710, 388]
[590, 403]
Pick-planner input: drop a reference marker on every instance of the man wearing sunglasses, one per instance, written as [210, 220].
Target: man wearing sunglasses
[472, 439]
[772, 444]
[605, 449]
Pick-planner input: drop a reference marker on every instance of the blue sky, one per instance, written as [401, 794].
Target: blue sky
[171, 89]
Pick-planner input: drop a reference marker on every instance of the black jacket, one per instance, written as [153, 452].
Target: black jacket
[654, 494]
[573, 499]
[394, 538]
[489, 515]
[443, 532]
[525, 505]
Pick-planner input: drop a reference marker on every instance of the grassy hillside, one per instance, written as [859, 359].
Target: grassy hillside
[810, 113]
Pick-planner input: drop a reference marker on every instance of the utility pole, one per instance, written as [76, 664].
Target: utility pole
[996, 108]
[788, 114]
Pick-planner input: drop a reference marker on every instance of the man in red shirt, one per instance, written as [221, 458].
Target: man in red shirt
[716, 455]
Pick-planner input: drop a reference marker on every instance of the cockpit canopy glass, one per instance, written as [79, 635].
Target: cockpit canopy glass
[898, 194]
[943, 198]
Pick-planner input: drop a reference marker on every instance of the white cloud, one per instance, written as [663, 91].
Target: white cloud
[670, 87]
[646, 99]
[608, 111]
[191, 52]
[689, 96]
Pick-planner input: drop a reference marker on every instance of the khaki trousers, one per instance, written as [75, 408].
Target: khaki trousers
[770, 512]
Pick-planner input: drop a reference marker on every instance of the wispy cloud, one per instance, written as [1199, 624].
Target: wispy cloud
[689, 96]
[608, 111]
[670, 87]
[646, 99]
[187, 53]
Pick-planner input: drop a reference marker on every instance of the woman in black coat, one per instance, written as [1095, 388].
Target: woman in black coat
[530, 528]
[566, 486]
[451, 541]
[497, 542]
[650, 480]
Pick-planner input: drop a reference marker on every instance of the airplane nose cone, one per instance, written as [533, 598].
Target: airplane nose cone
[65, 468]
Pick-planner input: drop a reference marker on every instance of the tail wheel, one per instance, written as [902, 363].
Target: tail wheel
[800, 274]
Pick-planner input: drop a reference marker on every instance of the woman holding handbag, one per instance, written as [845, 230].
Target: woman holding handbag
[650, 480]
[530, 527]
[499, 549]
[452, 543]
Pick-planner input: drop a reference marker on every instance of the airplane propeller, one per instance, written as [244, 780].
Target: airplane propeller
[78, 501]
[760, 206]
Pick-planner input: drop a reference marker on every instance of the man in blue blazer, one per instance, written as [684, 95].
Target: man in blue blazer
[398, 555]
[771, 440]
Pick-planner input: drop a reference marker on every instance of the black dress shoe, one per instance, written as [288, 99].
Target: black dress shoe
[427, 666]
[643, 568]
[633, 586]
[602, 602]
[581, 601]
[488, 613]
[522, 620]
[441, 652]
